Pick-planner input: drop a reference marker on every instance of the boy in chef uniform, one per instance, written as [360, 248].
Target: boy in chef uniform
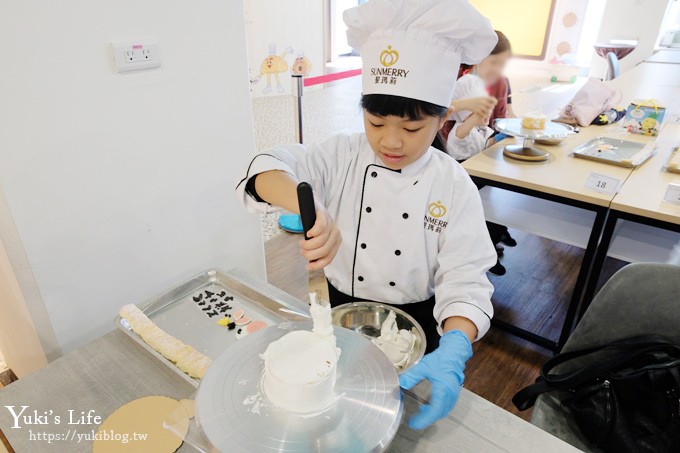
[398, 221]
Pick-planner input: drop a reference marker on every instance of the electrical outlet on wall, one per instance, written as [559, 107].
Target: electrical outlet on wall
[136, 55]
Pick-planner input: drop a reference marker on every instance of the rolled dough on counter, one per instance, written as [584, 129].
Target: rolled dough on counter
[184, 356]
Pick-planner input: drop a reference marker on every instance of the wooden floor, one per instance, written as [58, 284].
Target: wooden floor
[533, 294]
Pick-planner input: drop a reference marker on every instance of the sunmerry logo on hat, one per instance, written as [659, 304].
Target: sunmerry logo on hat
[389, 57]
[387, 75]
[413, 48]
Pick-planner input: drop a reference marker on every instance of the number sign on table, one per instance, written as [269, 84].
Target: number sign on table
[672, 193]
[603, 183]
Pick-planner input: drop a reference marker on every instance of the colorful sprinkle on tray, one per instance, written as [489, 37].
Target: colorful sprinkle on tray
[216, 303]
[242, 321]
[212, 303]
[238, 314]
[255, 326]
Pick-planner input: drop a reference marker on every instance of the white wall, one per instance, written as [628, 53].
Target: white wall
[630, 19]
[121, 185]
[298, 24]
[339, 44]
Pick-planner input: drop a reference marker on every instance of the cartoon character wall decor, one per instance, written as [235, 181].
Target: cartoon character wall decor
[301, 65]
[273, 65]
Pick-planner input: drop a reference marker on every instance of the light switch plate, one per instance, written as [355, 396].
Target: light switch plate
[136, 55]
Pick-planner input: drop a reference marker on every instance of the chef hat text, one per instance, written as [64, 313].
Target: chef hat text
[413, 48]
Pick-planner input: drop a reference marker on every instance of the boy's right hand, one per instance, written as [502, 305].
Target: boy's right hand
[323, 243]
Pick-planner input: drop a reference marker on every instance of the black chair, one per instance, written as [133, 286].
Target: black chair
[640, 299]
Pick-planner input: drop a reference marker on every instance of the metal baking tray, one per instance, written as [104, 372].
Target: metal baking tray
[176, 312]
[614, 151]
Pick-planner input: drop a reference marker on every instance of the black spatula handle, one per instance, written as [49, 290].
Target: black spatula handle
[306, 205]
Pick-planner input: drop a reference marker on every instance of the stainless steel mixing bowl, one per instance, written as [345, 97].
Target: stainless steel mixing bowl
[367, 318]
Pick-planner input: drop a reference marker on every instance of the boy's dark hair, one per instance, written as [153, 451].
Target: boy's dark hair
[413, 109]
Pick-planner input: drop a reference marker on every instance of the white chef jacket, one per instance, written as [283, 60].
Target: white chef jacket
[406, 234]
[468, 86]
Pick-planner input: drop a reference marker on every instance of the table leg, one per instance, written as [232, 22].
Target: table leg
[582, 279]
[524, 334]
[584, 271]
[600, 256]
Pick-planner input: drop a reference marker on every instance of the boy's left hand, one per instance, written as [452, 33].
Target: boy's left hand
[444, 369]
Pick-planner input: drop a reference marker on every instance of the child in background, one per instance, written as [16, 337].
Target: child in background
[471, 131]
[481, 96]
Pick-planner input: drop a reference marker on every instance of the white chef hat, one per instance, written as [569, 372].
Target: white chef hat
[413, 48]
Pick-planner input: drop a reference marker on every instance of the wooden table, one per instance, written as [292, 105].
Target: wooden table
[650, 80]
[641, 200]
[113, 370]
[661, 74]
[665, 56]
[561, 179]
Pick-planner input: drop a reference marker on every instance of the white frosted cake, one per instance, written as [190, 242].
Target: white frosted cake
[300, 367]
[534, 120]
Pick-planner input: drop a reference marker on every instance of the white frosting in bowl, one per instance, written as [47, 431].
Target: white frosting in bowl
[396, 344]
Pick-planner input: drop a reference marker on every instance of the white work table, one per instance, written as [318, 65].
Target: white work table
[644, 190]
[661, 74]
[113, 370]
[551, 198]
[639, 203]
[670, 56]
[556, 184]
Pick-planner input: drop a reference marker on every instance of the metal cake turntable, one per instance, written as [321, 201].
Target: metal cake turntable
[526, 150]
[235, 415]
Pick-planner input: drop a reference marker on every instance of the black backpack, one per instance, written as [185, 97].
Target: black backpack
[624, 396]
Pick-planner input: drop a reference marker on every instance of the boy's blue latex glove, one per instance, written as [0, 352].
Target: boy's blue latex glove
[444, 369]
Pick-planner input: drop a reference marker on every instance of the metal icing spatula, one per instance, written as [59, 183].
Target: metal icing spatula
[318, 286]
